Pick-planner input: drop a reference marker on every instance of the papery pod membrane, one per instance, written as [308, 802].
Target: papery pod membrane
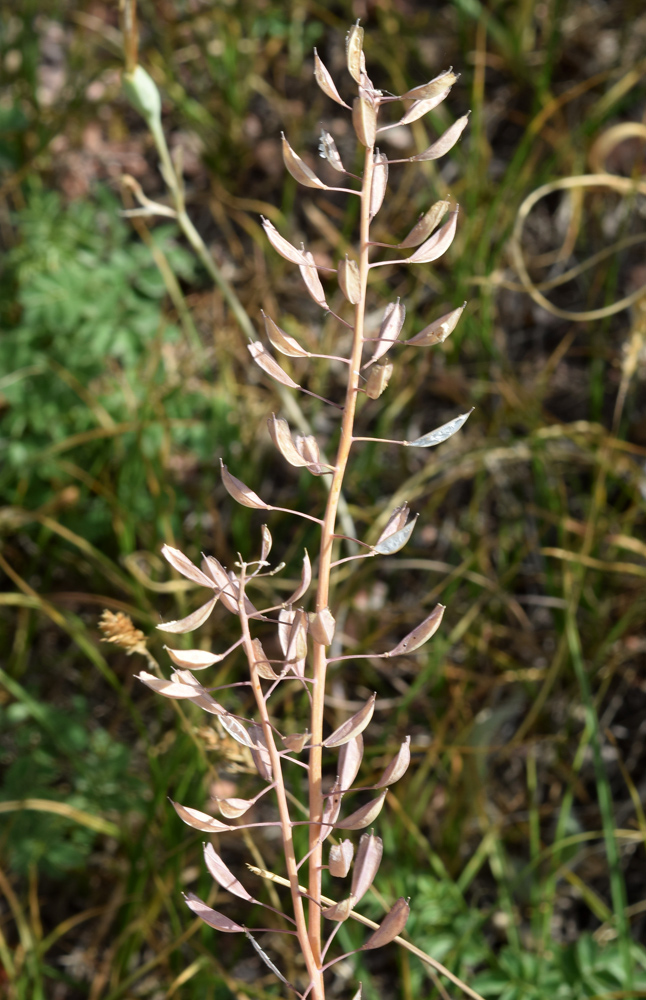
[434, 87]
[397, 767]
[379, 182]
[209, 704]
[193, 659]
[241, 493]
[363, 817]
[366, 865]
[364, 119]
[425, 225]
[350, 757]
[261, 663]
[299, 170]
[282, 341]
[236, 730]
[211, 917]
[260, 753]
[306, 579]
[421, 634]
[392, 925]
[339, 911]
[396, 522]
[340, 858]
[349, 280]
[391, 327]
[285, 619]
[233, 808]
[183, 565]
[331, 810]
[202, 698]
[169, 689]
[234, 588]
[437, 331]
[321, 626]
[199, 820]
[421, 108]
[264, 360]
[353, 52]
[227, 595]
[438, 244]
[393, 543]
[295, 742]
[352, 726]
[378, 380]
[325, 81]
[223, 876]
[281, 245]
[446, 142]
[282, 438]
[297, 642]
[192, 621]
[307, 446]
[312, 281]
[329, 152]
[267, 543]
[442, 433]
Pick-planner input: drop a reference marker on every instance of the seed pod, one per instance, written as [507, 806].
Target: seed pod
[340, 858]
[280, 435]
[378, 380]
[265, 548]
[437, 331]
[211, 917]
[352, 726]
[329, 152]
[297, 641]
[364, 118]
[354, 51]
[312, 281]
[339, 911]
[261, 663]
[307, 446]
[199, 820]
[233, 808]
[260, 752]
[350, 757]
[363, 817]
[285, 619]
[183, 565]
[193, 659]
[264, 360]
[331, 810]
[421, 634]
[391, 327]
[192, 621]
[281, 245]
[306, 579]
[392, 925]
[299, 170]
[367, 863]
[226, 591]
[349, 280]
[396, 522]
[223, 876]
[425, 225]
[421, 108]
[169, 689]
[438, 244]
[397, 767]
[446, 141]
[321, 626]
[379, 182]
[236, 730]
[393, 543]
[434, 87]
[241, 493]
[442, 433]
[282, 341]
[325, 81]
[295, 742]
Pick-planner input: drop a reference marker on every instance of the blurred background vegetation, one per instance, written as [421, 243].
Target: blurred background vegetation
[520, 831]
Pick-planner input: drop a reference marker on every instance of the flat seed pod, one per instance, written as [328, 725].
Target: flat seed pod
[350, 757]
[282, 438]
[425, 225]
[260, 753]
[366, 865]
[183, 565]
[340, 858]
[306, 579]
[446, 141]
[353, 52]
[352, 726]
[282, 341]
[285, 619]
[393, 543]
[223, 876]
[262, 664]
[329, 152]
[442, 433]
[281, 245]
[421, 634]
[378, 380]
[364, 119]
[349, 280]
[397, 767]
[307, 446]
[379, 182]
[391, 327]
[392, 925]
[363, 817]
[434, 87]
[169, 689]
[201, 696]
[396, 522]
[299, 170]
[193, 659]
[437, 244]
[421, 108]
[321, 626]
[226, 592]
[325, 81]
[233, 808]
[211, 917]
[339, 911]
[312, 281]
[437, 331]
[241, 493]
[236, 730]
[295, 742]
[192, 621]
[264, 360]
[331, 810]
[209, 704]
[199, 820]
[267, 543]
[297, 641]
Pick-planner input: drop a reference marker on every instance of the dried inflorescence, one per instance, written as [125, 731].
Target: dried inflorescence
[305, 636]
